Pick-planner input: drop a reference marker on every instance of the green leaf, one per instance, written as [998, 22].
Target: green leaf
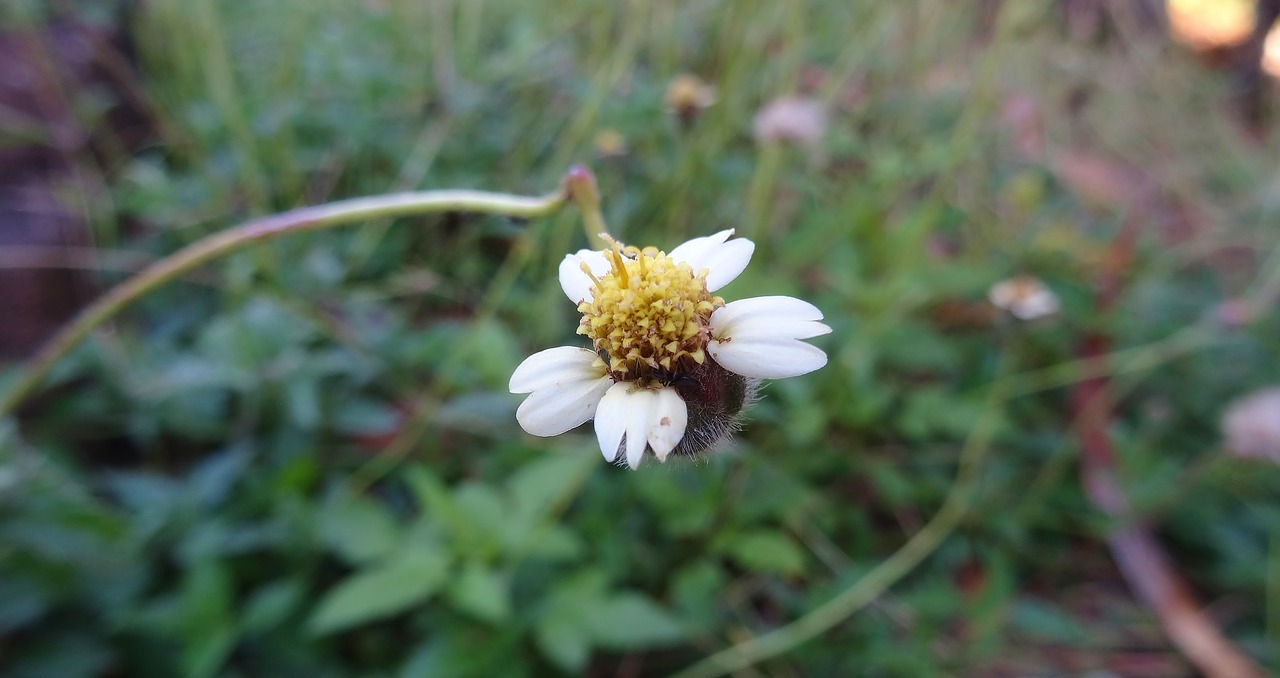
[481, 413]
[490, 348]
[270, 605]
[931, 412]
[563, 642]
[555, 544]
[893, 483]
[695, 590]
[365, 417]
[433, 495]
[455, 651]
[22, 601]
[563, 629]
[197, 414]
[358, 529]
[765, 551]
[302, 399]
[540, 485]
[629, 621]
[582, 613]
[207, 625]
[146, 492]
[61, 652]
[482, 593]
[380, 591]
[208, 651]
[488, 516]
[213, 479]
[206, 596]
[1045, 621]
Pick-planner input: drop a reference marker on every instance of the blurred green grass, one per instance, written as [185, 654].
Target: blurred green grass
[312, 465]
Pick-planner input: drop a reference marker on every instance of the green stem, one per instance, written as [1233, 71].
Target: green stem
[878, 580]
[1272, 605]
[762, 189]
[241, 237]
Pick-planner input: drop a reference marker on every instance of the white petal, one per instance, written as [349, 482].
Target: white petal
[553, 410]
[755, 326]
[767, 359]
[666, 428]
[760, 337]
[554, 366]
[611, 420]
[1002, 294]
[636, 418]
[723, 260]
[574, 281]
[565, 385]
[693, 251]
[1027, 298]
[1036, 305]
[640, 411]
[775, 309]
[727, 262]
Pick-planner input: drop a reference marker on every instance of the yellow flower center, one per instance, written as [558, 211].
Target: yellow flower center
[649, 314]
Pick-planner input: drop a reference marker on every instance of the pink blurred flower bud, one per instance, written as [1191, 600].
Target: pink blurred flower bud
[791, 120]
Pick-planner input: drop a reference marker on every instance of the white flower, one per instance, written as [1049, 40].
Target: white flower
[671, 365]
[1252, 425]
[1025, 297]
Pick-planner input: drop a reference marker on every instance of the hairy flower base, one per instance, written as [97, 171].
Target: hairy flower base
[715, 398]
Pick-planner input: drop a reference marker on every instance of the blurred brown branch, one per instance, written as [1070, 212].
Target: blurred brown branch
[1138, 554]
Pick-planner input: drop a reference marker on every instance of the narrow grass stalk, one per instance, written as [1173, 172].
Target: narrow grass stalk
[246, 235]
[761, 190]
[885, 575]
[1273, 591]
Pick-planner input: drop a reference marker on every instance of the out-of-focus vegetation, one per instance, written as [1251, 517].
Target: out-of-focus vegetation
[305, 461]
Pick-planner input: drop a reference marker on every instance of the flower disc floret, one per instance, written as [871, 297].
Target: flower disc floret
[648, 314]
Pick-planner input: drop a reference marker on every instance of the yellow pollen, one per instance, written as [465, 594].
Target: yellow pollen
[648, 313]
[587, 269]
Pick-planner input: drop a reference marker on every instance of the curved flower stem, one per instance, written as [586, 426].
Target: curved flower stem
[888, 572]
[299, 220]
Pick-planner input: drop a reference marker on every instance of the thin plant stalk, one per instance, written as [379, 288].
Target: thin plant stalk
[300, 220]
[887, 573]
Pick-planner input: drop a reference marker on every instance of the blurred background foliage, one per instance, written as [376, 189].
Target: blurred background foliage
[304, 461]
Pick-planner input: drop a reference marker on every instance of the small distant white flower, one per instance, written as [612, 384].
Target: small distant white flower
[1025, 297]
[1252, 425]
[671, 365]
[791, 119]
